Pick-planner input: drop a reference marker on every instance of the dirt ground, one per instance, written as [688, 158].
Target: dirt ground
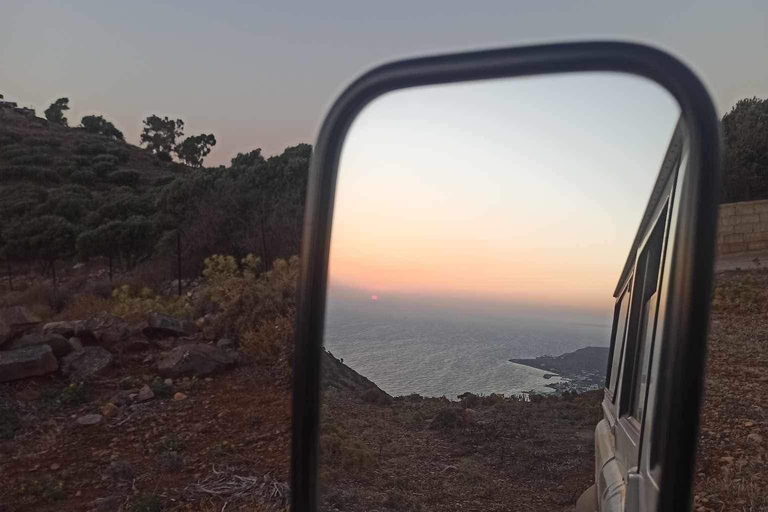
[227, 445]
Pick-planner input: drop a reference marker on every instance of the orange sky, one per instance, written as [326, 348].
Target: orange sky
[526, 190]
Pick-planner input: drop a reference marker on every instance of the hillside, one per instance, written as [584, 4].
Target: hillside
[35, 150]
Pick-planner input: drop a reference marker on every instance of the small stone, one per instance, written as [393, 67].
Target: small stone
[748, 424]
[727, 460]
[225, 343]
[168, 382]
[755, 438]
[89, 419]
[54, 466]
[146, 377]
[145, 394]
[208, 379]
[108, 409]
[179, 396]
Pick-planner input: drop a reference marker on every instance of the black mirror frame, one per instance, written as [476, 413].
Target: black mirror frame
[692, 280]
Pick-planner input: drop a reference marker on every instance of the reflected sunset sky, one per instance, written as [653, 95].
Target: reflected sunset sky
[524, 191]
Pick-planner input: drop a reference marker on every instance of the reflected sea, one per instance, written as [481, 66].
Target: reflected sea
[447, 352]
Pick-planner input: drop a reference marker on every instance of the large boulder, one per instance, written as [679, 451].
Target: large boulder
[159, 325]
[66, 329]
[87, 363]
[14, 321]
[58, 343]
[27, 362]
[194, 359]
[103, 329]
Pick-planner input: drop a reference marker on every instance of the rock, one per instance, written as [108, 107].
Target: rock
[121, 470]
[108, 409]
[103, 329]
[160, 325]
[89, 419]
[27, 362]
[15, 321]
[164, 344]
[179, 396]
[57, 342]
[225, 343]
[145, 394]
[107, 504]
[133, 345]
[28, 394]
[75, 343]
[54, 466]
[87, 363]
[130, 383]
[168, 382]
[66, 329]
[755, 438]
[194, 359]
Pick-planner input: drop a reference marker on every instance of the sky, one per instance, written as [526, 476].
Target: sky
[263, 74]
[524, 191]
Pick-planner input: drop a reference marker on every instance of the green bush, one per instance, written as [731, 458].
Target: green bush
[90, 148]
[22, 172]
[83, 177]
[38, 159]
[128, 178]
[122, 154]
[14, 150]
[103, 168]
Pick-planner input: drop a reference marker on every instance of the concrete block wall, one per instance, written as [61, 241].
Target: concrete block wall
[742, 228]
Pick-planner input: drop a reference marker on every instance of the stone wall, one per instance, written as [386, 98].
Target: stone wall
[742, 228]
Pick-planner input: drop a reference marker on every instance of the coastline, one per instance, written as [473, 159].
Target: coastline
[579, 371]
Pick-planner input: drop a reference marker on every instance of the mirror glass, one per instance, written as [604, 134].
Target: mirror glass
[479, 232]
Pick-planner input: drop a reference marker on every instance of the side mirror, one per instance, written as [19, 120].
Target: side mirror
[562, 196]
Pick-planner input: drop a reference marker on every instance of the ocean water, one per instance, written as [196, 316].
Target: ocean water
[445, 351]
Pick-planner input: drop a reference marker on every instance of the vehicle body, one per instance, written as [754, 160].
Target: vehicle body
[627, 470]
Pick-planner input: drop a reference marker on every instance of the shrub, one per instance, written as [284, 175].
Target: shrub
[122, 154]
[11, 151]
[103, 168]
[129, 303]
[36, 159]
[39, 297]
[36, 174]
[42, 141]
[148, 503]
[90, 148]
[448, 419]
[164, 156]
[83, 177]
[84, 306]
[128, 178]
[163, 181]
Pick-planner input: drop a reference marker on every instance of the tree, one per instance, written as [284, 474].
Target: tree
[745, 129]
[45, 238]
[195, 148]
[160, 134]
[250, 159]
[100, 126]
[55, 113]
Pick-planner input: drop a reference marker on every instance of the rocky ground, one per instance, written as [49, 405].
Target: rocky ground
[732, 465]
[161, 419]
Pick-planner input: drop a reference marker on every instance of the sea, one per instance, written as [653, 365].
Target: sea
[434, 350]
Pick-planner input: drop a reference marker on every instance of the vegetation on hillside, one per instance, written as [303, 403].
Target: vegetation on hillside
[83, 193]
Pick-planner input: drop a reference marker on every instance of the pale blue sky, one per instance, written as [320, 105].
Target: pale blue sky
[525, 190]
[263, 74]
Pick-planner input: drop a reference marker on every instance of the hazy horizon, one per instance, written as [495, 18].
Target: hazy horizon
[264, 74]
[519, 191]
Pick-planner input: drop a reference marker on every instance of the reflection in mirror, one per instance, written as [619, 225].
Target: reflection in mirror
[479, 232]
